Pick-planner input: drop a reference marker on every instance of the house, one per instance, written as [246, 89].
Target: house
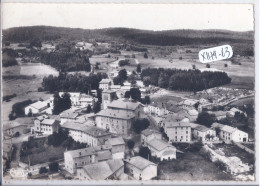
[115, 87]
[107, 97]
[219, 114]
[80, 100]
[157, 108]
[172, 117]
[74, 97]
[75, 159]
[86, 100]
[232, 112]
[161, 149]
[115, 120]
[192, 115]
[45, 126]
[140, 168]
[149, 134]
[13, 129]
[130, 107]
[187, 104]
[91, 135]
[228, 133]
[178, 131]
[118, 147]
[68, 115]
[86, 119]
[36, 108]
[106, 170]
[105, 84]
[204, 133]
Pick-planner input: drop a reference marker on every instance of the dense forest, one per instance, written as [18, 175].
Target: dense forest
[163, 38]
[184, 80]
[72, 83]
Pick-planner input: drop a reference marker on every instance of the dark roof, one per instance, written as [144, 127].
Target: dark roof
[139, 162]
[90, 130]
[148, 132]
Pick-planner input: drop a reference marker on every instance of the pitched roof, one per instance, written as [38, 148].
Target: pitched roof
[39, 105]
[159, 144]
[49, 121]
[177, 124]
[228, 129]
[217, 125]
[120, 114]
[139, 162]
[104, 155]
[90, 130]
[42, 117]
[123, 104]
[202, 128]
[70, 114]
[116, 141]
[148, 132]
[193, 112]
[102, 170]
[81, 152]
[105, 81]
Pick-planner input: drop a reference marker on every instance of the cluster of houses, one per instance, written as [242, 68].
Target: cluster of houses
[104, 132]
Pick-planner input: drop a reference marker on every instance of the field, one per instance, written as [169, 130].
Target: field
[24, 81]
[191, 166]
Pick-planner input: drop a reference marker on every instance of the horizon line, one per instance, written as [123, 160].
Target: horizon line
[212, 29]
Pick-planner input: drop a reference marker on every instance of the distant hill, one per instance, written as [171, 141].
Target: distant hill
[163, 38]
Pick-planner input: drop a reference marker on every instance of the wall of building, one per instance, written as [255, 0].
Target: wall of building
[179, 134]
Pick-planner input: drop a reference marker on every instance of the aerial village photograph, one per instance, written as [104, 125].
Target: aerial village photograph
[95, 92]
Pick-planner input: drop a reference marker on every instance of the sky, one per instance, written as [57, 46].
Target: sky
[235, 17]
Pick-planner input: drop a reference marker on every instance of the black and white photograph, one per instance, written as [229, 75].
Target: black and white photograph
[128, 93]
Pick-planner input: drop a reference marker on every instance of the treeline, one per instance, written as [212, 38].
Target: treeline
[72, 83]
[184, 80]
[66, 61]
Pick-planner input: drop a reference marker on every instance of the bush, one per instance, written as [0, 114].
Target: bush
[54, 166]
[207, 65]
[130, 144]
[40, 89]
[18, 109]
[225, 65]
[145, 152]
[43, 170]
[180, 58]
[8, 97]
[123, 62]
[145, 55]
[140, 125]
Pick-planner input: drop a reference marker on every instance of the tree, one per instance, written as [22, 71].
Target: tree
[147, 81]
[135, 94]
[130, 144]
[225, 65]
[207, 65]
[140, 125]
[123, 74]
[118, 81]
[145, 55]
[88, 109]
[138, 68]
[206, 119]
[145, 152]
[36, 42]
[43, 170]
[96, 107]
[193, 67]
[54, 166]
[180, 58]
